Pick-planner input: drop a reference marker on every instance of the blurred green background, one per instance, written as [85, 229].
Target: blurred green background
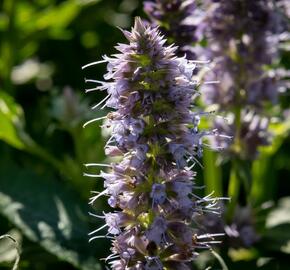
[43, 195]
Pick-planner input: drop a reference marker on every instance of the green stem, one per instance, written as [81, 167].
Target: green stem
[264, 185]
[234, 183]
[237, 137]
[212, 174]
[233, 191]
[220, 260]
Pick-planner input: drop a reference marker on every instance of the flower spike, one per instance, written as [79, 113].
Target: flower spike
[155, 132]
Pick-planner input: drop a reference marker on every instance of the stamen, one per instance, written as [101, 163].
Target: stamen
[211, 211]
[92, 175]
[93, 199]
[94, 63]
[208, 235]
[91, 89]
[199, 61]
[108, 142]
[100, 236]
[110, 257]
[94, 120]
[97, 216]
[94, 81]
[97, 164]
[211, 82]
[99, 229]
[209, 242]
[191, 157]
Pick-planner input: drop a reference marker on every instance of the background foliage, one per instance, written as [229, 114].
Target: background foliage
[43, 195]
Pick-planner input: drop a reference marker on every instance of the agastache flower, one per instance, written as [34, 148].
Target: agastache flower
[242, 38]
[154, 131]
[175, 20]
[240, 233]
[253, 131]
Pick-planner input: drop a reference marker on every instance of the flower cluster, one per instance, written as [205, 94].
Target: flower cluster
[253, 131]
[155, 135]
[242, 38]
[239, 233]
[175, 20]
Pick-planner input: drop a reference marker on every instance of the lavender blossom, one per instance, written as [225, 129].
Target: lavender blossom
[253, 131]
[241, 231]
[154, 132]
[173, 17]
[242, 38]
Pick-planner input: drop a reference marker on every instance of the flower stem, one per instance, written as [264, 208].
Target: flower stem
[233, 190]
[234, 183]
[212, 174]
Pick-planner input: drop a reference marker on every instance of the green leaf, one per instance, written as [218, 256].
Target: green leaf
[279, 215]
[264, 180]
[11, 118]
[277, 235]
[243, 254]
[48, 213]
[278, 238]
[264, 177]
[54, 18]
[280, 131]
[10, 246]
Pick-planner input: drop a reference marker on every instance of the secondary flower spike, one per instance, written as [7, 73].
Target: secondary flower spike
[243, 38]
[175, 18]
[154, 132]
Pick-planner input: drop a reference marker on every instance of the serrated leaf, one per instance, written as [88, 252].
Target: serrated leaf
[49, 214]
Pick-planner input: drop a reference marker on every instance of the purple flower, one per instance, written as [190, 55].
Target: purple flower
[155, 133]
[158, 193]
[173, 17]
[157, 232]
[242, 38]
[253, 133]
[241, 232]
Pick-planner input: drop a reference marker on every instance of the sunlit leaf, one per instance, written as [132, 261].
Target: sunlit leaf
[242, 254]
[263, 187]
[8, 252]
[11, 117]
[277, 235]
[280, 131]
[280, 215]
[52, 18]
